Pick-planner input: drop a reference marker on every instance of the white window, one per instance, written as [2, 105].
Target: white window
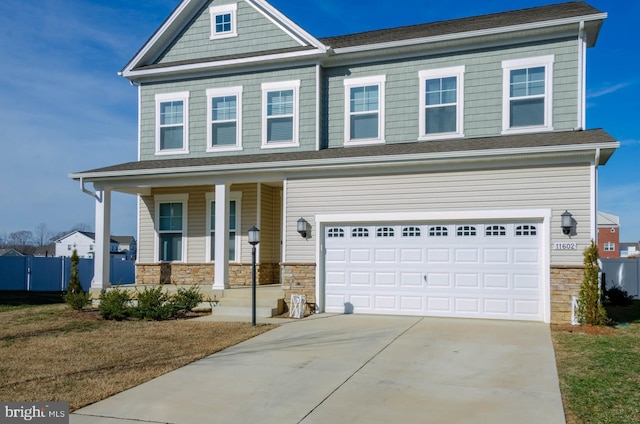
[527, 97]
[171, 227]
[411, 232]
[441, 103]
[609, 247]
[223, 21]
[224, 117]
[335, 233]
[466, 231]
[233, 210]
[526, 230]
[172, 123]
[385, 232]
[438, 231]
[280, 114]
[364, 110]
[495, 230]
[359, 232]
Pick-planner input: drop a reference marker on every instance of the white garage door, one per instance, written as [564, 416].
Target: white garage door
[483, 270]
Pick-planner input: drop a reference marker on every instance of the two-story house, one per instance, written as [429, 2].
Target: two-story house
[608, 235]
[442, 169]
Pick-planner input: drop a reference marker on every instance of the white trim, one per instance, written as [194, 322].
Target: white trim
[284, 220]
[593, 212]
[456, 215]
[458, 73]
[230, 9]
[139, 123]
[182, 96]
[530, 62]
[350, 83]
[268, 87]
[582, 77]
[318, 105]
[236, 196]
[258, 215]
[221, 92]
[170, 198]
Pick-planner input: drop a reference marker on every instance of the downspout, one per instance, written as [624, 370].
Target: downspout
[87, 191]
[594, 211]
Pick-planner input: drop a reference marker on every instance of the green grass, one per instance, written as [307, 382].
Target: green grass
[599, 369]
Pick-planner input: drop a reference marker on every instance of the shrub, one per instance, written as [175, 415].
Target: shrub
[187, 299]
[618, 296]
[590, 309]
[115, 304]
[75, 296]
[153, 304]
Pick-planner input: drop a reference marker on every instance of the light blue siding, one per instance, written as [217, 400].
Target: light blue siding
[255, 34]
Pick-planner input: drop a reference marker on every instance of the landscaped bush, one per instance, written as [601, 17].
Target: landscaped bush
[186, 299]
[153, 303]
[590, 309]
[115, 304]
[75, 296]
[618, 296]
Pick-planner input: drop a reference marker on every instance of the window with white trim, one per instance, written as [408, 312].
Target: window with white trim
[360, 232]
[223, 21]
[172, 123]
[224, 115]
[280, 106]
[609, 247]
[385, 232]
[527, 98]
[466, 231]
[438, 231]
[411, 232]
[526, 230]
[171, 227]
[495, 230]
[441, 103]
[364, 110]
[335, 233]
[233, 210]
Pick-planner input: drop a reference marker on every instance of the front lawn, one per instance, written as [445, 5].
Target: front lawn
[50, 353]
[599, 369]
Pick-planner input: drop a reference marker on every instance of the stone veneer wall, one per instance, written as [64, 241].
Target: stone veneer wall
[300, 279]
[565, 282]
[203, 273]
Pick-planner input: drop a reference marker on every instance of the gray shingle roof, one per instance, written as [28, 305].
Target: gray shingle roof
[459, 145]
[475, 23]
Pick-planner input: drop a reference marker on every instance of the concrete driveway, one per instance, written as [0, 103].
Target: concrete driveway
[358, 369]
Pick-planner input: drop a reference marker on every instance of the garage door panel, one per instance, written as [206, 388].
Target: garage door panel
[436, 270]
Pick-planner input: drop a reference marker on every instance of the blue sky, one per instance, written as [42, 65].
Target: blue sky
[63, 108]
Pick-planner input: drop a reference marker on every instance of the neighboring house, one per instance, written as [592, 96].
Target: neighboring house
[421, 170]
[629, 250]
[608, 235]
[47, 250]
[84, 243]
[126, 245]
[10, 252]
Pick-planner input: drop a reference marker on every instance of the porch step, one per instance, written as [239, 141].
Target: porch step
[237, 301]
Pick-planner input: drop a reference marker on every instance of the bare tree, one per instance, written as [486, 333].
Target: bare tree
[82, 226]
[42, 234]
[4, 240]
[20, 240]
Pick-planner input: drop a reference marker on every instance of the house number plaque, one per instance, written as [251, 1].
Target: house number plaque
[565, 246]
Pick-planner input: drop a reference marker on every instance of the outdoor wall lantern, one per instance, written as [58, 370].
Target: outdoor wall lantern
[566, 223]
[303, 227]
[254, 239]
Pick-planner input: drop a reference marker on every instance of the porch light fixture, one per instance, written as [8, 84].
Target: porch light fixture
[302, 227]
[566, 222]
[254, 239]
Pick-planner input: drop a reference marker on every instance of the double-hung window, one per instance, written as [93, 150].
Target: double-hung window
[233, 210]
[527, 94]
[223, 21]
[280, 114]
[364, 110]
[172, 122]
[609, 247]
[224, 115]
[441, 103]
[171, 227]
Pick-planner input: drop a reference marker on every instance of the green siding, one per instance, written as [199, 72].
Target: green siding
[482, 90]
[255, 34]
[251, 111]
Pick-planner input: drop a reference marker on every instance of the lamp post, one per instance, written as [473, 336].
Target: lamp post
[254, 239]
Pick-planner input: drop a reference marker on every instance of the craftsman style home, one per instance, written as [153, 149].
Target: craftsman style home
[441, 169]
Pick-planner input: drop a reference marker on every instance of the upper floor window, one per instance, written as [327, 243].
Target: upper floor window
[172, 121]
[609, 247]
[441, 104]
[224, 114]
[527, 94]
[223, 21]
[171, 227]
[280, 114]
[364, 110]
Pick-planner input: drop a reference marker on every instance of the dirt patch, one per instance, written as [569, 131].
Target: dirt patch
[583, 329]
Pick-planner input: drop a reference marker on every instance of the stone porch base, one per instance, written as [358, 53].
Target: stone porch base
[565, 282]
[203, 273]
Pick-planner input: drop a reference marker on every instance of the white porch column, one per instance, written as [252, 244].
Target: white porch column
[102, 251]
[221, 258]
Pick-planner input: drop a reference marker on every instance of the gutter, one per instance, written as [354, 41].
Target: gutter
[87, 191]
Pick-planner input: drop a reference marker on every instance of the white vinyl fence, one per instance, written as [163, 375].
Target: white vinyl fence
[623, 273]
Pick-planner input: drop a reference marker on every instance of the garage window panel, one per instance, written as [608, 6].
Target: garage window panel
[526, 230]
[438, 231]
[360, 232]
[466, 231]
[335, 233]
[495, 230]
[385, 232]
[411, 232]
